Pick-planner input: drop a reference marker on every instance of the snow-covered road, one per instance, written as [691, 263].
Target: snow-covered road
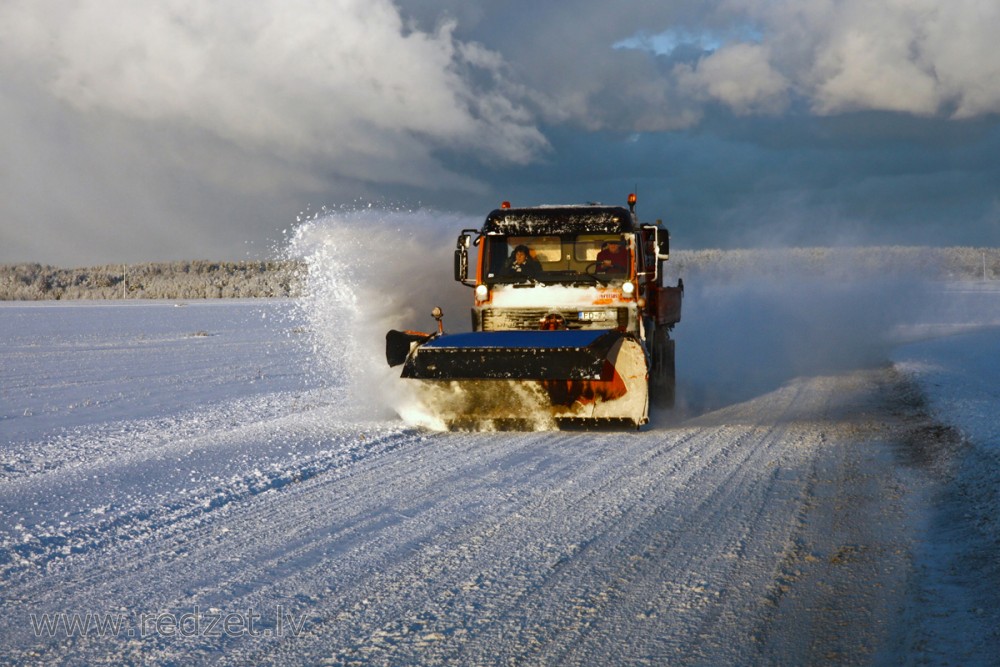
[176, 486]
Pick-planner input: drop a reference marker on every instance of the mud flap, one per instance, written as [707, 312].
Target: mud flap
[662, 376]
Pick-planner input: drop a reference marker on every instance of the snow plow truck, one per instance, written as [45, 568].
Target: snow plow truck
[570, 322]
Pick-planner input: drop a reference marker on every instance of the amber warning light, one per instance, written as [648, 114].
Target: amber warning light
[505, 204]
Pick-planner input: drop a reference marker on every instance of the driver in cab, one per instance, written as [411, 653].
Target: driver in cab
[613, 258]
[521, 263]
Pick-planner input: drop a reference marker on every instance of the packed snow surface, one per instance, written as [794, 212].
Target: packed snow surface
[229, 483]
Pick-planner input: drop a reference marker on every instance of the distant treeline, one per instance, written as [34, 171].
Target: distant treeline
[170, 280]
[262, 279]
[842, 264]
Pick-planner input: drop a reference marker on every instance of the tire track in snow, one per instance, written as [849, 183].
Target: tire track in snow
[669, 545]
[123, 515]
[488, 619]
[707, 491]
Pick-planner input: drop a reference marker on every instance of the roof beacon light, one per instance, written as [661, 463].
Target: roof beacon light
[631, 201]
[505, 205]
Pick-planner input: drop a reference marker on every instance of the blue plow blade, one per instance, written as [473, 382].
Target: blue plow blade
[537, 355]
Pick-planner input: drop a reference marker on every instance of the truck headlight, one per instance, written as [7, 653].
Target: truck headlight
[628, 288]
[482, 292]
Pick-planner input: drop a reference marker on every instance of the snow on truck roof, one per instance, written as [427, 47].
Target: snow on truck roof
[541, 220]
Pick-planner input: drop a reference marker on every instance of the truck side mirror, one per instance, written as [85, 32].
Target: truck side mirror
[462, 258]
[663, 243]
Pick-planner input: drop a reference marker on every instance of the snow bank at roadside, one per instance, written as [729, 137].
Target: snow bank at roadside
[960, 376]
[956, 608]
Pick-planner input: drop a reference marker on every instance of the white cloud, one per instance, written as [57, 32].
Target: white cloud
[870, 57]
[181, 128]
[922, 57]
[344, 83]
[964, 54]
[739, 76]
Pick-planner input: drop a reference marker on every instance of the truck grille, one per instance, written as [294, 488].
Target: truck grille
[531, 318]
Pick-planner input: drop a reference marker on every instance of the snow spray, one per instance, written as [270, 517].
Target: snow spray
[748, 328]
[368, 270]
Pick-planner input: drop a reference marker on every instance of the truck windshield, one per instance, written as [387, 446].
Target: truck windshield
[567, 258]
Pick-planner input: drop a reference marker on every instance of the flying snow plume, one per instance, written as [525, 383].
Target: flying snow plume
[754, 320]
[370, 270]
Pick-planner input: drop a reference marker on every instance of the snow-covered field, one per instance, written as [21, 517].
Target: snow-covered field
[204, 483]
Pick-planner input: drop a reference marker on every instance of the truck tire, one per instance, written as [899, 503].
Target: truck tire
[662, 376]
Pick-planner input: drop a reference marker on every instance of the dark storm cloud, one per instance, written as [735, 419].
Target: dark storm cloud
[183, 129]
[794, 123]
[786, 181]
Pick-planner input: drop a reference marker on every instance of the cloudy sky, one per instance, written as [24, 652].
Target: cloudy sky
[178, 129]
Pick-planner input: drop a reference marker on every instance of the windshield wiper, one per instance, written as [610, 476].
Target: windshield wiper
[522, 281]
[593, 277]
